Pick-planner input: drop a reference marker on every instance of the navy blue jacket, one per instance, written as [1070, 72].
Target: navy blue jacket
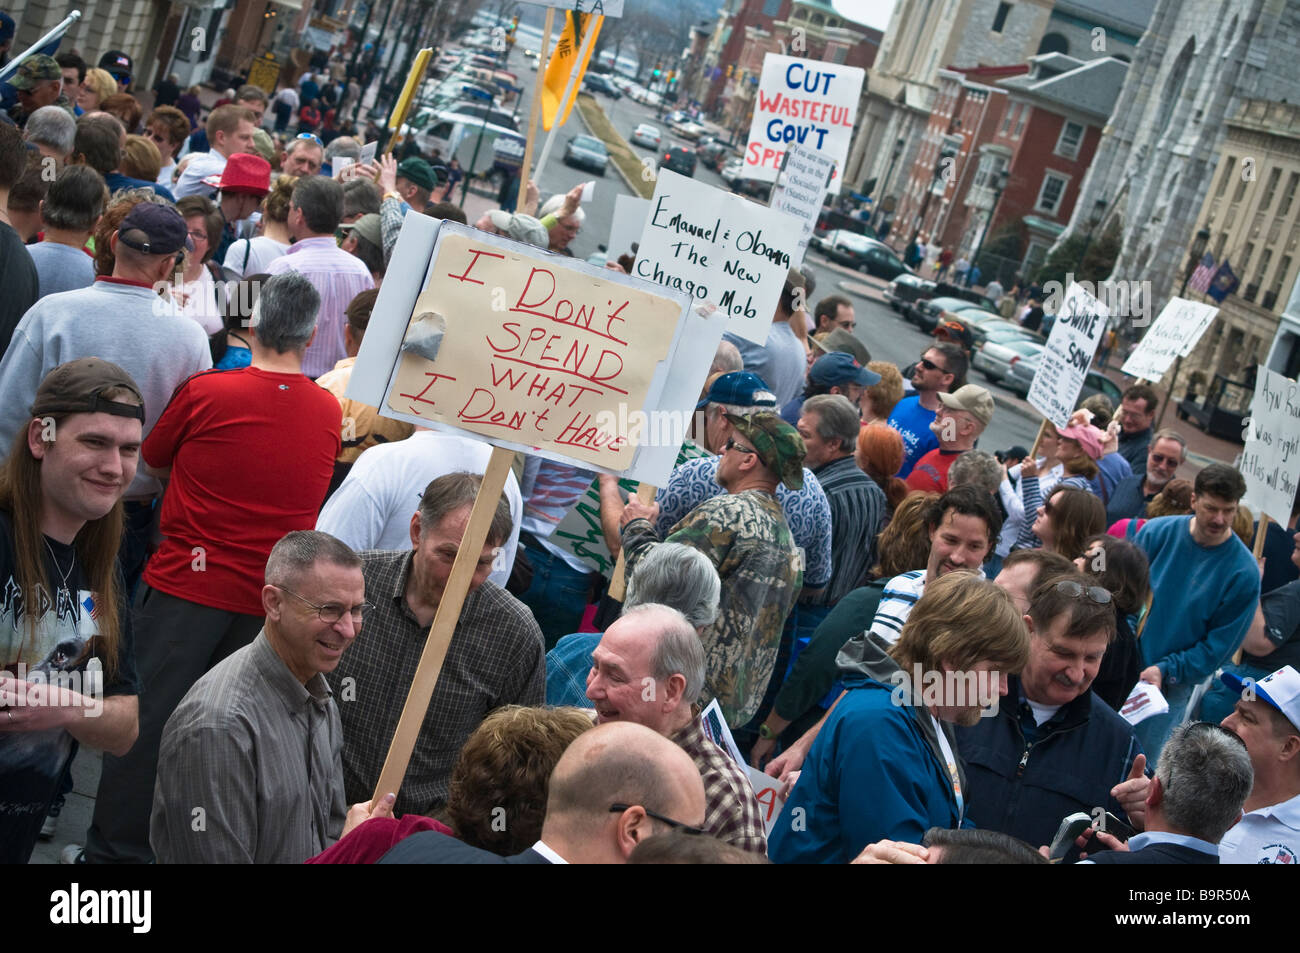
[1026, 790]
[1155, 854]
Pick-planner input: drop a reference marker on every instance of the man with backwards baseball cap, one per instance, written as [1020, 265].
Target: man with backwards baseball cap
[745, 535]
[59, 525]
[1267, 719]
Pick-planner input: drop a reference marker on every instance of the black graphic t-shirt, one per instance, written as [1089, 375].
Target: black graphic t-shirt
[32, 763]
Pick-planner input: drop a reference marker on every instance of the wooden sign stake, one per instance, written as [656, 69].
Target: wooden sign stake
[1042, 429]
[618, 582]
[444, 623]
[535, 112]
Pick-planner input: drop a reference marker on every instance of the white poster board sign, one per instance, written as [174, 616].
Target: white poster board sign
[1173, 335]
[801, 189]
[718, 248]
[604, 8]
[531, 351]
[809, 102]
[630, 213]
[1270, 461]
[1080, 324]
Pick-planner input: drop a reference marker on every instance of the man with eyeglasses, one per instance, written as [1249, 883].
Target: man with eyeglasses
[613, 787]
[1052, 747]
[1131, 495]
[202, 598]
[941, 369]
[250, 768]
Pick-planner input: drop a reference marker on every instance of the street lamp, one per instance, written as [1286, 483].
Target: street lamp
[889, 174]
[940, 166]
[1095, 218]
[1199, 242]
[1000, 179]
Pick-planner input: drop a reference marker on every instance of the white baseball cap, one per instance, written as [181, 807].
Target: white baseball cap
[1281, 690]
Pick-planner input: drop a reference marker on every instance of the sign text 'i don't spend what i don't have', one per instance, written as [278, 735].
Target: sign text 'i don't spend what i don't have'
[524, 349]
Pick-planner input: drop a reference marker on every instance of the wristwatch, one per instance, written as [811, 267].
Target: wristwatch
[765, 732]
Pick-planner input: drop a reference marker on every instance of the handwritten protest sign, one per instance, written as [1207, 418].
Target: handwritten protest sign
[801, 189]
[580, 533]
[767, 790]
[630, 213]
[1080, 323]
[810, 102]
[603, 8]
[531, 351]
[720, 248]
[1173, 335]
[1270, 462]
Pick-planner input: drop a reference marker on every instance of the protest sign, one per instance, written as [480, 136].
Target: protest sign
[767, 791]
[718, 248]
[809, 102]
[532, 351]
[580, 533]
[1173, 335]
[602, 8]
[801, 189]
[1080, 323]
[1270, 462]
[630, 213]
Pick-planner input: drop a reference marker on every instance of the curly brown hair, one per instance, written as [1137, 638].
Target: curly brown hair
[496, 799]
[1174, 500]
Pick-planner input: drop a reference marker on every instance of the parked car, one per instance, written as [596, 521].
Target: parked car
[831, 219]
[596, 83]
[647, 135]
[712, 153]
[680, 159]
[926, 314]
[905, 289]
[995, 359]
[857, 251]
[981, 324]
[586, 152]
[1021, 376]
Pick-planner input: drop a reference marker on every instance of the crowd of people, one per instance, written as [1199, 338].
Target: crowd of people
[234, 565]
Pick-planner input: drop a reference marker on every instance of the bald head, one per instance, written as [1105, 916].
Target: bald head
[619, 763]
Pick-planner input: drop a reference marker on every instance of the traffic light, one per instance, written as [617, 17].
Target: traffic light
[654, 73]
[672, 77]
[729, 69]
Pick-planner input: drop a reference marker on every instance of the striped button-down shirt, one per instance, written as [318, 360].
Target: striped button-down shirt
[731, 812]
[858, 511]
[249, 770]
[901, 593]
[496, 658]
[339, 277]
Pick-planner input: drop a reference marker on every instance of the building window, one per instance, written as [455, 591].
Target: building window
[1289, 195]
[1054, 43]
[1240, 193]
[1051, 194]
[771, 7]
[1007, 119]
[1070, 141]
[1000, 18]
[1270, 189]
[1283, 270]
[1229, 167]
[1020, 122]
[1035, 255]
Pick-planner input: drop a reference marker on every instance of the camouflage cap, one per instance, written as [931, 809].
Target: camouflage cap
[35, 69]
[778, 444]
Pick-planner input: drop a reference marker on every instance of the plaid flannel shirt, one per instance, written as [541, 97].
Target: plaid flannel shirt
[732, 813]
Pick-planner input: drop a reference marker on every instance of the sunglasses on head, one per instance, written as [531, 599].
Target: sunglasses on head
[310, 137]
[1076, 590]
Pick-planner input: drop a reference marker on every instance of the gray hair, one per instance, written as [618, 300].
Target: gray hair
[360, 197]
[727, 359]
[452, 491]
[1206, 775]
[554, 204]
[321, 202]
[284, 316]
[977, 468]
[837, 419]
[52, 126]
[297, 552]
[677, 651]
[1173, 435]
[344, 146]
[680, 576]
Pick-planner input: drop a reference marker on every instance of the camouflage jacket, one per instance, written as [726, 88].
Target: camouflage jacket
[747, 539]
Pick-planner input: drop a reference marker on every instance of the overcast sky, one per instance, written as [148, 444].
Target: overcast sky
[871, 12]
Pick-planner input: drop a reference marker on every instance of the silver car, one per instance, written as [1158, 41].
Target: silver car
[646, 135]
[996, 358]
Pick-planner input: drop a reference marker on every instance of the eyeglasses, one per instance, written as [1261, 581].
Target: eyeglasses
[199, 236]
[1075, 590]
[1160, 460]
[929, 365]
[732, 445]
[678, 825]
[331, 614]
[310, 137]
